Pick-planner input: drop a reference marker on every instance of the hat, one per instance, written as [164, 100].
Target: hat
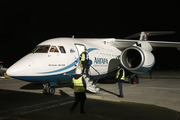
[78, 70]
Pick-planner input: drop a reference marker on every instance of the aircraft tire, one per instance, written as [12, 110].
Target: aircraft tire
[51, 90]
[46, 88]
[44, 91]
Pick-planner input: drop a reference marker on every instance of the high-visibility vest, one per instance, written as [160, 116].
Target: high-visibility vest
[83, 57]
[78, 85]
[118, 72]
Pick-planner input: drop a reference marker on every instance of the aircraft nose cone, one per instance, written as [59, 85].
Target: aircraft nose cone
[22, 67]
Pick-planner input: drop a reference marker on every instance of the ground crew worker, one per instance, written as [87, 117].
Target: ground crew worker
[84, 59]
[136, 78]
[79, 90]
[120, 76]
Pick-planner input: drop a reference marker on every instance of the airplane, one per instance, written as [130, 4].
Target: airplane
[2, 69]
[55, 60]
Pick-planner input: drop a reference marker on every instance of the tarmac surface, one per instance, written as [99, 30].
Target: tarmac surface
[153, 99]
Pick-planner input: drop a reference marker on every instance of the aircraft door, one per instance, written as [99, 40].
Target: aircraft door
[80, 48]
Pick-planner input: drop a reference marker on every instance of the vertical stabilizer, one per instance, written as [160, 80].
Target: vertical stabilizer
[143, 36]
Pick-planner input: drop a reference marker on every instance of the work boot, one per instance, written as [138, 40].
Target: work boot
[135, 83]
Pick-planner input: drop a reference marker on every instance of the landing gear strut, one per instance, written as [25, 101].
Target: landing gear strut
[48, 89]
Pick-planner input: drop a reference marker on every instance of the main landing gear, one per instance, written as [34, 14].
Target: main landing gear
[48, 89]
[133, 79]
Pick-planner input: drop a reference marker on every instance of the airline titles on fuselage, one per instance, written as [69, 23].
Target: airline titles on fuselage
[100, 61]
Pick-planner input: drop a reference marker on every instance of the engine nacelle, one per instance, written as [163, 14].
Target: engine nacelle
[136, 59]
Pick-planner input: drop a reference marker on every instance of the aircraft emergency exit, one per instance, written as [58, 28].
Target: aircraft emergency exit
[55, 60]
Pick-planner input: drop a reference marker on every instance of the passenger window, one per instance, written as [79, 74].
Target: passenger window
[54, 49]
[41, 49]
[61, 48]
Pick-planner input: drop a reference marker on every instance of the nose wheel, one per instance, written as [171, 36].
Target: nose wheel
[48, 89]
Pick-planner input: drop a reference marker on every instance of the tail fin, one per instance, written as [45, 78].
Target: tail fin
[144, 35]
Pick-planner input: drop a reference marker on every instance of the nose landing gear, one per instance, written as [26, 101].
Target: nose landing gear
[48, 89]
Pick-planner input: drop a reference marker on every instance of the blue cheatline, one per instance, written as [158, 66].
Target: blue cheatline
[69, 66]
[146, 68]
[48, 78]
[62, 69]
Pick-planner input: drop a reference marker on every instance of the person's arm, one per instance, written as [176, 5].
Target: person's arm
[121, 74]
[80, 57]
[84, 83]
[88, 56]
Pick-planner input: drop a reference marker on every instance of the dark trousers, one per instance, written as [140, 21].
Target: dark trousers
[81, 105]
[120, 88]
[136, 79]
[85, 66]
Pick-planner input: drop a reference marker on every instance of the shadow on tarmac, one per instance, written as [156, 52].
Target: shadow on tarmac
[108, 92]
[17, 105]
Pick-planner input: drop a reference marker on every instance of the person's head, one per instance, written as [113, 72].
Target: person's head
[119, 66]
[78, 70]
[85, 50]
[52, 50]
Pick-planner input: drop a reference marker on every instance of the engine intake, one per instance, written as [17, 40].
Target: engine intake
[136, 59]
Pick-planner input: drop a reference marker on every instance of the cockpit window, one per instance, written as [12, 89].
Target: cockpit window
[54, 49]
[41, 49]
[61, 48]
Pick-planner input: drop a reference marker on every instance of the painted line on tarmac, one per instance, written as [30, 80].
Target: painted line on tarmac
[44, 108]
[163, 88]
[34, 108]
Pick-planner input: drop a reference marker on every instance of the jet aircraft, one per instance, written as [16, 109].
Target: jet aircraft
[55, 60]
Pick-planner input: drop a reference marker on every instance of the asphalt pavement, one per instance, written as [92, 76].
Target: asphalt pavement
[157, 99]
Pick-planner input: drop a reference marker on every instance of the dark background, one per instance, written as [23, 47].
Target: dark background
[26, 23]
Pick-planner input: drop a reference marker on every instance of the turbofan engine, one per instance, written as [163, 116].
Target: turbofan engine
[137, 59]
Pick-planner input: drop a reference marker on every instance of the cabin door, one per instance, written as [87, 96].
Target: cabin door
[80, 48]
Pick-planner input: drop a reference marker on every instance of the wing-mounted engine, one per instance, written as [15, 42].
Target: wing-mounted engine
[137, 59]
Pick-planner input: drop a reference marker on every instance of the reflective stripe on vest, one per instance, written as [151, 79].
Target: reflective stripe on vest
[117, 74]
[78, 82]
[83, 57]
[78, 85]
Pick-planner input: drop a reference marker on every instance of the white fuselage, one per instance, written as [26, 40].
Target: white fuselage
[58, 66]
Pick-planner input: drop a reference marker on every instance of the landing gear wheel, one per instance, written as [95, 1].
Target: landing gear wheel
[44, 91]
[48, 89]
[51, 90]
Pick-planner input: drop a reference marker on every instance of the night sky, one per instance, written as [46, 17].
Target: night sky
[26, 23]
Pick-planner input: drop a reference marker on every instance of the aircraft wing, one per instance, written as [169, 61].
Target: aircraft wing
[164, 44]
[123, 43]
